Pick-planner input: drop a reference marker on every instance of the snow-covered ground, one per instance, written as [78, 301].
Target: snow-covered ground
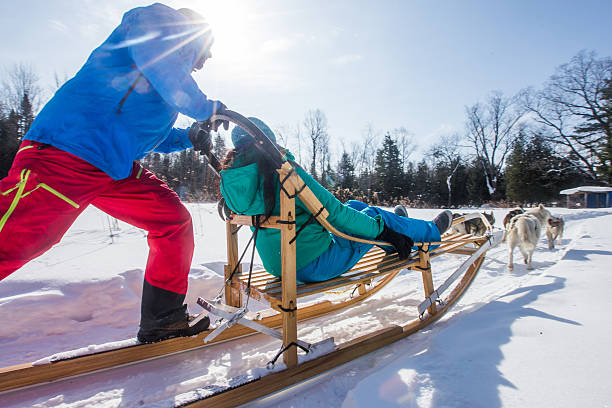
[535, 338]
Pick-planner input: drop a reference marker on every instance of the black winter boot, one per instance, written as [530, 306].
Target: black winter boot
[163, 316]
[401, 211]
[443, 221]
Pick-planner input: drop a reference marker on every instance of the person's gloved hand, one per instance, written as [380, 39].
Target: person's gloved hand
[218, 107]
[402, 244]
[199, 134]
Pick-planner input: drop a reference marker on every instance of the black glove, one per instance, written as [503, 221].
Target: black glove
[199, 134]
[402, 244]
[219, 107]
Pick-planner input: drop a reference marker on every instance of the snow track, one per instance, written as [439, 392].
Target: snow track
[87, 290]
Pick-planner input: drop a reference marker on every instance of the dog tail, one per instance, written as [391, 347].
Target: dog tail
[525, 234]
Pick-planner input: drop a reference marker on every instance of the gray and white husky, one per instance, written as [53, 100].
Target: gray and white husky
[524, 231]
[474, 226]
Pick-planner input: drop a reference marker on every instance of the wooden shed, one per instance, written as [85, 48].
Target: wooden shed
[588, 197]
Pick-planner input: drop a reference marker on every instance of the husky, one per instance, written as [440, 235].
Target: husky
[512, 213]
[475, 226]
[554, 230]
[524, 231]
[508, 217]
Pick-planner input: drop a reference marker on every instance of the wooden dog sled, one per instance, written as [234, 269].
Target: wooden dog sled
[375, 270]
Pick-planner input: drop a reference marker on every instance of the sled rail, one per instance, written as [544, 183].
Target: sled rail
[253, 388]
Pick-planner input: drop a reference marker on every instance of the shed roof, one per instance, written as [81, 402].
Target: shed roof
[586, 189]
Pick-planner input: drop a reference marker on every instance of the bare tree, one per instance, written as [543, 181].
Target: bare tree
[21, 81]
[573, 111]
[282, 135]
[448, 151]
[405, 143]
[491, 129]
[316, 129]
[299, 142]
[364, 156]
[324, 157]
[59, 80]
[291, 138]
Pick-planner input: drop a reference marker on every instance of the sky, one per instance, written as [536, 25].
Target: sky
[386, 64]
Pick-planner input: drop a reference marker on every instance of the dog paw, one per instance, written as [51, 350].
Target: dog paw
[530, 267]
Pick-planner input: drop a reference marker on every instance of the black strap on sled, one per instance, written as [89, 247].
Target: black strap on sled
[271, 363]
[282, 185]
[248, 288]
[287, 309]
[308, 221]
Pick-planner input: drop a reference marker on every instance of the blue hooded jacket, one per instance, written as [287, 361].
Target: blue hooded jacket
[123, 102]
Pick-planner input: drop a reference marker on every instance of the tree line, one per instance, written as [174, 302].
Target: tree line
[516, 149]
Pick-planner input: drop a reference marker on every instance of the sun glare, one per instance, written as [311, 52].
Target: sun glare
[229, 23]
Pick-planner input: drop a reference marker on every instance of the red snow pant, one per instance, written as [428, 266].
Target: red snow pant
[47, 189]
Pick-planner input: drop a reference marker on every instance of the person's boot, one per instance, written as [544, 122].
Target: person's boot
[443, 221]
[401, 211]
[163, 315]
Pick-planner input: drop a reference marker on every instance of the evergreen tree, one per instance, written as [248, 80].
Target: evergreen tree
[459, 181]
[155, 163]
[476, 183]
[516, 169]
[438, 190]
[219, 149]
[346, 171]
[535, 173]
[389, 168]
[26, 115]
[164, 173]
[421, 182]
[9, 141]
[408, 181]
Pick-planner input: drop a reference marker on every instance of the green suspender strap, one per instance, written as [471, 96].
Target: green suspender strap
[20, 187]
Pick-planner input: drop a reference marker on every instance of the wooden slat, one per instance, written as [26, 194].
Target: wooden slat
[247, 220]
[464, 251]
[344, 280]
[263, 280]
[233, 297]
[288, 263]
[428, 286]
[274, 286]
[270, 289]
[350, 277]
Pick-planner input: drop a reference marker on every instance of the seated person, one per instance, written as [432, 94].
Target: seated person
[250, 185]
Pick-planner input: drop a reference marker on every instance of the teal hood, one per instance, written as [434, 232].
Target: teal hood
[243, 193]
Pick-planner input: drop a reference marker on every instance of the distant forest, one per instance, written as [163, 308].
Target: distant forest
[519, 149]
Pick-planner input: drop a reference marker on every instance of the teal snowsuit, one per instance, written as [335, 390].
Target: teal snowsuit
[243, 192]
[320, 254]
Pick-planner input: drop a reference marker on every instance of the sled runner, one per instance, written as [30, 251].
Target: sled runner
[374, 271]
